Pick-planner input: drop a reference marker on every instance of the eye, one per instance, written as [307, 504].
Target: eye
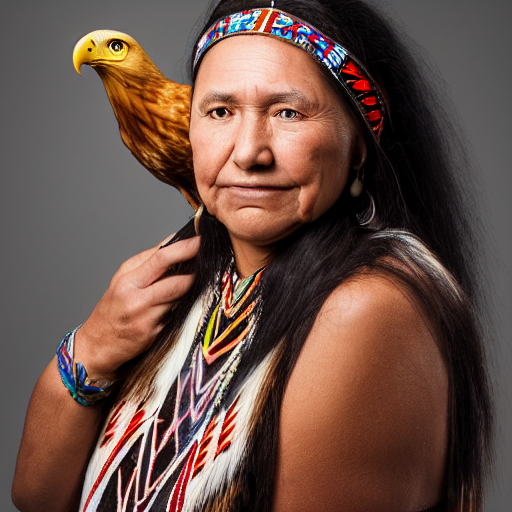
[288, 114]
[219, 113]
[116, 46]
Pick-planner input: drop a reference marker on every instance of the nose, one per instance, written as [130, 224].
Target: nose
[252, 150]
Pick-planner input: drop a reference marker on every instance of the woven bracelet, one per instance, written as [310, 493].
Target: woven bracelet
[74, 376]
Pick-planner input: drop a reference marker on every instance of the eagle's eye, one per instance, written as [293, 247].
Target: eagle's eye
[116, 46]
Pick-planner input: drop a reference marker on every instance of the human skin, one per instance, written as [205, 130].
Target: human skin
[363, 424]
[364, 418]
[272, 147]
[59, 433]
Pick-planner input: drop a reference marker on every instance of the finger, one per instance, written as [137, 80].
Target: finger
[158, 263]
[139, 259]
[165, 241]
[165, 296]
[136, 261]
[171, 288]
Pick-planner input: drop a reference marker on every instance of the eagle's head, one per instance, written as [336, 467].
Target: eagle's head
[112, 52]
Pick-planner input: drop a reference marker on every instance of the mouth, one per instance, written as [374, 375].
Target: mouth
[258, 187]
[256, 191]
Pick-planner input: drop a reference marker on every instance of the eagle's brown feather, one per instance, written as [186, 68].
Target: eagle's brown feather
[153, 112]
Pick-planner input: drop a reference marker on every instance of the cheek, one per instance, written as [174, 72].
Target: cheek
[204, 172]
[204, 158]
[322, 173]
[205, 181]
[318, 197]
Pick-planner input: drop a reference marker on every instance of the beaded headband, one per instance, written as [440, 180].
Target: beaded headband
[343, 66]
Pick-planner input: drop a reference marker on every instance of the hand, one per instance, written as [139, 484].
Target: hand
[126, 321]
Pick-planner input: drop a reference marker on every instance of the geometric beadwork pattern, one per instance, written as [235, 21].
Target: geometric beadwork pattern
[231, 319]
[155, 450]
[344, 67]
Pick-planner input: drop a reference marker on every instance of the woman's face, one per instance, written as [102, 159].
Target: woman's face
[272, 141]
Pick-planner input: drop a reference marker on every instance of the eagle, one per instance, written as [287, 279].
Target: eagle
[153, 112]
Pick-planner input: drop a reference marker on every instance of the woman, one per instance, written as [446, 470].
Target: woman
[323, 358]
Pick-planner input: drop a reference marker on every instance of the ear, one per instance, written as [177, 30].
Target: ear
[359, 154]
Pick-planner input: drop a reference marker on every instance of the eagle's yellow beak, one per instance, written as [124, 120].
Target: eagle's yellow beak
[84, 52]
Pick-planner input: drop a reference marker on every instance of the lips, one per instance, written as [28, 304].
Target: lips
[260, 187]
[269, 186]
[256, 194]
[257, 191]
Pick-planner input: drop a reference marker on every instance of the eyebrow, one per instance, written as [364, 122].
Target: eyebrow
[294, 96]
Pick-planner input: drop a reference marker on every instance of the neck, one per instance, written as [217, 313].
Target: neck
[249, 258]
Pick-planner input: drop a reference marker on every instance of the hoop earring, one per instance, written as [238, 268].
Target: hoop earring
[197, 218]
[365, 217]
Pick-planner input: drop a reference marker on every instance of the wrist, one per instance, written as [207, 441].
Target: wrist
[85, 389]
[92, 351]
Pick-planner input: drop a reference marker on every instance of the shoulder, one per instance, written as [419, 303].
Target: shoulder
[366, 404]
[376, 311]
[373, 323]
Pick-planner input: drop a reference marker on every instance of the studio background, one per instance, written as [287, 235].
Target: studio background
[75, 204]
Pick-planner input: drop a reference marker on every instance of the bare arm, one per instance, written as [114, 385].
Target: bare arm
[364, 417]
[59, 433]
[57, 439]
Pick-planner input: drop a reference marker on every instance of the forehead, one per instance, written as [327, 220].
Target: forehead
[263, 62]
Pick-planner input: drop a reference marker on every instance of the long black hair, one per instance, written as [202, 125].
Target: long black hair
[415, 177]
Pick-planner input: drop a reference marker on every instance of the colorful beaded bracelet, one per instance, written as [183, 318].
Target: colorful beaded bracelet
[74, 376]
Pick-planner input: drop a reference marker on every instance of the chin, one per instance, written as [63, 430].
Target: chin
[259, 232]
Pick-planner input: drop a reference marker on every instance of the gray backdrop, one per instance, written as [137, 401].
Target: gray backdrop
[75, 203]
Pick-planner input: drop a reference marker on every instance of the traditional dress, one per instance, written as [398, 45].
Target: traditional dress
[179, 448]
[186, 446]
